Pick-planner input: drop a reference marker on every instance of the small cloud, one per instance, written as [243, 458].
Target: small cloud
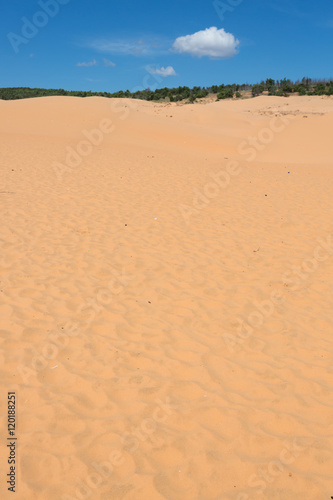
[211, 42]
[108, 63]
[127, 47]
[31, 55]
[87, 64]
[169, 71]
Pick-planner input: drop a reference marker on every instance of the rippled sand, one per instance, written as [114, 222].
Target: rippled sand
[166, 298]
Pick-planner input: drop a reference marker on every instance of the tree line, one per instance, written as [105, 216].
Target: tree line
[283, 88]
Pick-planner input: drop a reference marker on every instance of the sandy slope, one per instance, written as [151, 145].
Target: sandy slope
[166, 299]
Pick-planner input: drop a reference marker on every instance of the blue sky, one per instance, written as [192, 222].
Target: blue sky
[101, 45]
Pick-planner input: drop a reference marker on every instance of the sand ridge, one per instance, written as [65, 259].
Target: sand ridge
[165, 298]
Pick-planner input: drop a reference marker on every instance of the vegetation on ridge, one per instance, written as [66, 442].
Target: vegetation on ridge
[283, 87]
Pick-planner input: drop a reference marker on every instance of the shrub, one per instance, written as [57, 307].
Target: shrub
[281, 93]
[320, 89]
[300, 89]
[226, 93]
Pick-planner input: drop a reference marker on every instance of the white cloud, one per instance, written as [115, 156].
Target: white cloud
[109, 63]
[210, 42]
[87, 64]
[169, 71]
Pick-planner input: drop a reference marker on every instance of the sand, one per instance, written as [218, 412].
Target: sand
[166, 298]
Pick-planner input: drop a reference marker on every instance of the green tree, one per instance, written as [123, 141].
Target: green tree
[256, 90]
[270, 84]
[286, 85]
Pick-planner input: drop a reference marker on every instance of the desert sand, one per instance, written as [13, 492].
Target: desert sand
[166, 298]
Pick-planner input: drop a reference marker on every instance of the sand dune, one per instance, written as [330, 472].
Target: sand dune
[166, 298]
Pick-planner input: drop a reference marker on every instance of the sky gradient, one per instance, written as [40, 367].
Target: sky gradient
[102, 45]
